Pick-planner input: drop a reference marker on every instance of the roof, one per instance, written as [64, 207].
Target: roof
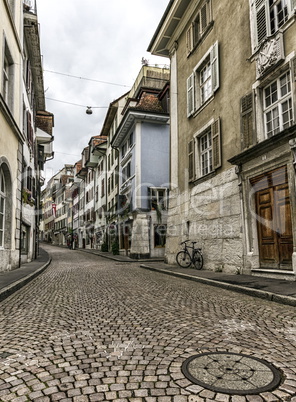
[169, 22]
[150, 103]
[163, 18]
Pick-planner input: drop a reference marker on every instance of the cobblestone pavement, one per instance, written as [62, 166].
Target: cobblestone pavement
[90, 329]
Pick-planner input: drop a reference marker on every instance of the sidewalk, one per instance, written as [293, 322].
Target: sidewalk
[11, 281]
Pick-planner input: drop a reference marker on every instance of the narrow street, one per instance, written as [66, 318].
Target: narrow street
[91, 329]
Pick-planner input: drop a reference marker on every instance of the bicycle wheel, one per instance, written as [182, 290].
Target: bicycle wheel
[183, 259]
[197, 260]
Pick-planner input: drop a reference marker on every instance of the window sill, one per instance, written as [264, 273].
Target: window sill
[203, 178]
[201, 107]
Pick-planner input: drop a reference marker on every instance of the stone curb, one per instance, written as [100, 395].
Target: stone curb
[119, 258]
[9, 290]
[291, 301]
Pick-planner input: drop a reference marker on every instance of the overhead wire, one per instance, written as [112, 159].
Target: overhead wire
[87, 79]
[76, 104]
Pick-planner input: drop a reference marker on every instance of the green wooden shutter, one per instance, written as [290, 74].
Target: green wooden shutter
[191, 170]
[190, 95]
[261, 7]
[203, 17]
[216, 144]
[189, 39]
[215, 66]
[247, 120]
[293, 68]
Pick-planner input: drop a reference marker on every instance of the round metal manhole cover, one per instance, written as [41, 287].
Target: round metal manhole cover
[231, 373]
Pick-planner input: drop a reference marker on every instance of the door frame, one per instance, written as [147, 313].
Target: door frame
[264, 184]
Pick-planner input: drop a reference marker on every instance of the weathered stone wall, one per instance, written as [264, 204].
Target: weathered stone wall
[140, 237]
[209, 214]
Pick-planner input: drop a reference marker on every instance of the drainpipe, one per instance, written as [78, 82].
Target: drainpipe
[21, 209]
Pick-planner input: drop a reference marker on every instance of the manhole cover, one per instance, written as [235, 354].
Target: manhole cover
[231, 373]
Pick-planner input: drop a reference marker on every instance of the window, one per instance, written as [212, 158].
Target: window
[7, 77]
[131, 140]
[204, 151]
[2, 207]
[30, 135]
[126, 172]
[102, 187]
[109, 185]
[116, 176]
[204, 80]
[270, 15]
[158, 198]
[278, 107]
[29, 179]
[112, 181]
[199, 26]
[123, 151]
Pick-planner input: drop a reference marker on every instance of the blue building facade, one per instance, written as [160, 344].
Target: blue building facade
[143, 142]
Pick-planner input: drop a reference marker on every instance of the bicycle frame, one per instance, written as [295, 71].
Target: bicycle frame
[185, 258]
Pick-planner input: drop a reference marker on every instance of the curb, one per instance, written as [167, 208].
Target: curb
[119, 258]
[9, 290]
[291, 301]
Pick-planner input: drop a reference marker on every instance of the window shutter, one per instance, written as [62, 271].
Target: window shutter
[215, 67]
[216, 144]
[191, 160]
[261, 20]
[203, 17]
[29, 128]
[247, 120]
[190, 95]
[189, 39]
[293, 68]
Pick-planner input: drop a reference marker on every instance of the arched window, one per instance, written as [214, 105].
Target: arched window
[2, 207]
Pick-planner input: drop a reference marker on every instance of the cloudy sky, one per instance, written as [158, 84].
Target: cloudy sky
[102, 42]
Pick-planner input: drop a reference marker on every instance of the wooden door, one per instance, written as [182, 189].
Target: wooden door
[274, 227]
[284, 224]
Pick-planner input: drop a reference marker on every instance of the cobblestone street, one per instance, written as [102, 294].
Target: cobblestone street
[91, 329]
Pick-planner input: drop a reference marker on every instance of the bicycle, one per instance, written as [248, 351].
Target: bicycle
[185, 259]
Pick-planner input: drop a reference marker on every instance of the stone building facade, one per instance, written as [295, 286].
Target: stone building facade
[225, 136]
[21, 156]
